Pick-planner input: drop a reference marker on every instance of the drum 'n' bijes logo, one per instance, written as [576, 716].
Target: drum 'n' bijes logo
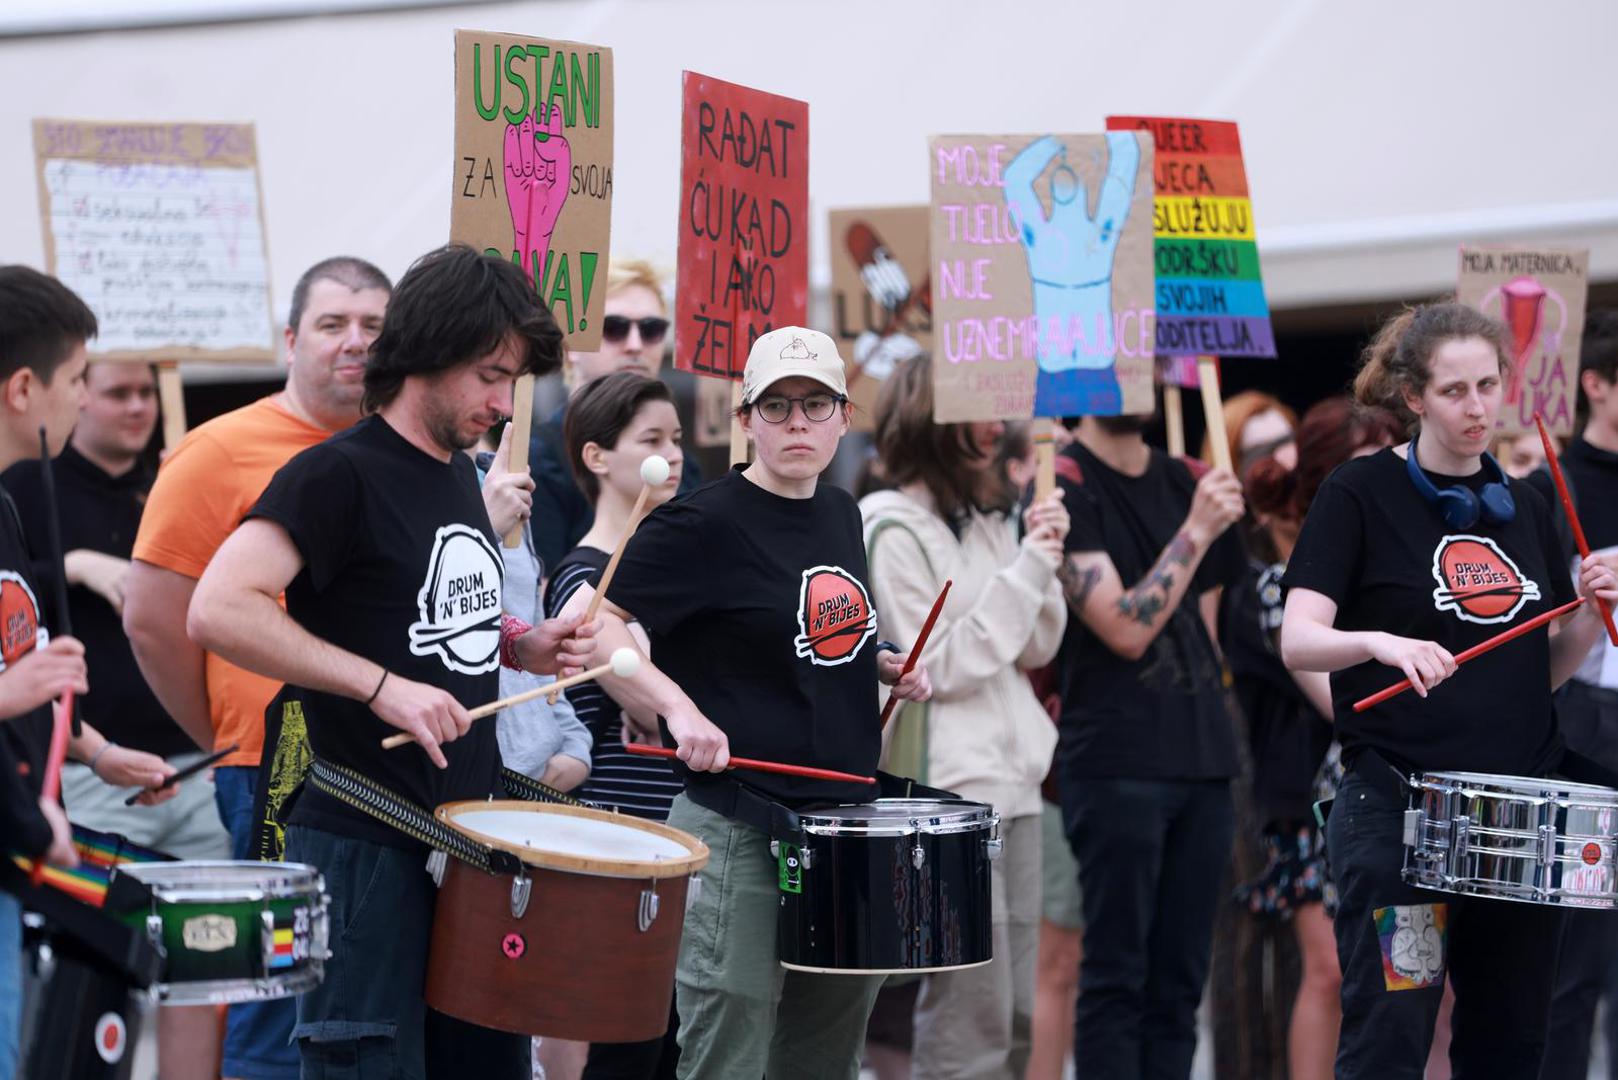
[19, 619]
[835, 617]
[460, 602]
[1478, 581]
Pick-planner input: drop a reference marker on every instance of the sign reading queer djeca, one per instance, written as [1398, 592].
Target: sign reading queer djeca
[160, 228]
[1041, 253]
[1210, 294]
[533, 166]
[743, 227]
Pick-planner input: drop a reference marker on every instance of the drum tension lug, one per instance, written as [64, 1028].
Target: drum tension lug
[266, 940]
[521, 886]
[437, 862]
[918, 855]
[154, 933]
[1414, 820]
[649, 904]
[775, 849]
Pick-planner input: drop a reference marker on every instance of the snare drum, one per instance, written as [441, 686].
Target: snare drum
[233, 931]
[897, 885]
[1512, 838]
[581, 942]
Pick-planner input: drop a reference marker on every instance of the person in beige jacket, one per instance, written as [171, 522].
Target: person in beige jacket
[984, 735]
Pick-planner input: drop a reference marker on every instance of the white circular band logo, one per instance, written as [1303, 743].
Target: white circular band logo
[459, 602]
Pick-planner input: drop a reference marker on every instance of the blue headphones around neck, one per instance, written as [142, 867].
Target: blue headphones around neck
[1459, 505]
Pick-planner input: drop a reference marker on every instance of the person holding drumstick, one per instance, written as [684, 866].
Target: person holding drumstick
[1406, 558]
[381, 541]
[753, 591]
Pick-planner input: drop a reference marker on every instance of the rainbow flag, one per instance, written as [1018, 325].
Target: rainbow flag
[98, 852]
[1210, 292]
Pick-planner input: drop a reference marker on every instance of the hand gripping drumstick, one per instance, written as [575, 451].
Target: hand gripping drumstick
[1572, 517]
[915, 650]
[624, 663]
[760, 766]
[1475, 651]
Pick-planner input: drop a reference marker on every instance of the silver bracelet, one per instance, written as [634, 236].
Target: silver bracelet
[95, 757]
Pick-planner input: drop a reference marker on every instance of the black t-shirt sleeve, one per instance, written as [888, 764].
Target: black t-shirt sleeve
[315, 497]
[668, 567]
[1326, 559]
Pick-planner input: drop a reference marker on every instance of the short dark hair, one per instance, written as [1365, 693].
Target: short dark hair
[453, 306]
[41, 322]
[346, 270]
[1598, 352]
[599, 412]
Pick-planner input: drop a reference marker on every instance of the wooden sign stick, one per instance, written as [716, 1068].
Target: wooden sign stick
[1213, 410]
[1044, 438]
[522, 419]
[738, 437]
[171, 395]
[1173, 420]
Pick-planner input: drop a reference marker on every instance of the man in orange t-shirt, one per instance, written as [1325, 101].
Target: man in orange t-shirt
[203, 490]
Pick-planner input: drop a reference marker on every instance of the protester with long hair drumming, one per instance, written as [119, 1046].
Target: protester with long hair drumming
[753, 591]
[1408, 557]
[987, 738]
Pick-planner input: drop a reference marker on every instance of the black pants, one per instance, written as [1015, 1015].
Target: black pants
[1152, 860]
[653, 1059]
[1588, 717]
[1397, 942]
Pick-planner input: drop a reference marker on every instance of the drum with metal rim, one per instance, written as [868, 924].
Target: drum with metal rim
[581, 942]
[1512, 838]
[893, 886]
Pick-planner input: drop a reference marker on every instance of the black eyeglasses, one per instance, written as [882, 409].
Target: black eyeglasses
[615, 328]
[818, 408]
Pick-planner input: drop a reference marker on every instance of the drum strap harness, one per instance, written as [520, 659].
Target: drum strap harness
[362, 793]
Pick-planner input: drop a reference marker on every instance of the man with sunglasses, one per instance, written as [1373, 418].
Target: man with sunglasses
[634, 333]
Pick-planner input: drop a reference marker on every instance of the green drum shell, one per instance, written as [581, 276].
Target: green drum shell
[208, 917]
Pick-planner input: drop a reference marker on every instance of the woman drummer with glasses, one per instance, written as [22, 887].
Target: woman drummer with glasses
[754, 593]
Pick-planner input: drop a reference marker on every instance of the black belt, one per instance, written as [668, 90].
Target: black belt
[390, 808]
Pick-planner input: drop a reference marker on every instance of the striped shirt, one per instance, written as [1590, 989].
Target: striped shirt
[619, 780]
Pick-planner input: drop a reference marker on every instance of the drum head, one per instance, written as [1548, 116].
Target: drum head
[203, 880]
[1525, 785]
[897, 817]
[578, 839]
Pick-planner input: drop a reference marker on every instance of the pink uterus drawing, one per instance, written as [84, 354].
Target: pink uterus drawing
[1522, 306]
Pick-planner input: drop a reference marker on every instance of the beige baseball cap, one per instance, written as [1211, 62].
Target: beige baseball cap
[791, 351]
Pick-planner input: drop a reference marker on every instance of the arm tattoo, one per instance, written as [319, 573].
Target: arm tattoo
[1077, 583]
[1150, 596]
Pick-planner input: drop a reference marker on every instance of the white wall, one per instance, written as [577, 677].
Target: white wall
[1378, 133]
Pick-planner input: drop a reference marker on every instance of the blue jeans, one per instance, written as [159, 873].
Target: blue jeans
[1152, 857]
[10, 983]
[258, 1034]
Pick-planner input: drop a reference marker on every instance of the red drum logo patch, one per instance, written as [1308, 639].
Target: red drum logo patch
[834, 616]
[19, 619]
[1478, 581]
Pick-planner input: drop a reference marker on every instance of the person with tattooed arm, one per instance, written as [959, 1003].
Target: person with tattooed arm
[1146, 748]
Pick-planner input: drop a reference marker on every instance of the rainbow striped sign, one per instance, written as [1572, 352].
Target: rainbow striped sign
[1210, 293]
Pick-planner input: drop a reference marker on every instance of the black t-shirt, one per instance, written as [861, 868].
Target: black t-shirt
[633, 783]
[402, 567]
[1592, 478]
[756, 605]
[1376, 547]
[1163, 716]
[1287, 737]
[24, 739]
[99, 512]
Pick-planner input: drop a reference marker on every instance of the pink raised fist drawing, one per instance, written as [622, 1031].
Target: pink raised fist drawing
[539, 167]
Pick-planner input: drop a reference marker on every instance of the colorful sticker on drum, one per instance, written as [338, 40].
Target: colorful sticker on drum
[290, 943]
[111, 1037]
[1413, 939]
[791, 869]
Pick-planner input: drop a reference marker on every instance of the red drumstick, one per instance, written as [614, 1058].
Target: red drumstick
[1475, 651]
[761, 766]
[915, 650]
[1572, 517]
[51, 787]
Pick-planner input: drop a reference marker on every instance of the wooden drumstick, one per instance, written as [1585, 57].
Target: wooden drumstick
[1475, 651]
[760, 766]
[915, 650]
[654, 472]
[1572, 517]
[624, 663]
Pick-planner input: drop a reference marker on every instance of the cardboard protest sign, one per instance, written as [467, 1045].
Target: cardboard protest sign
[1539, 293]
[881, 295]
[1042, 275]
[1210, 293]
[743, 258]
[160, 228]
[532, 180]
